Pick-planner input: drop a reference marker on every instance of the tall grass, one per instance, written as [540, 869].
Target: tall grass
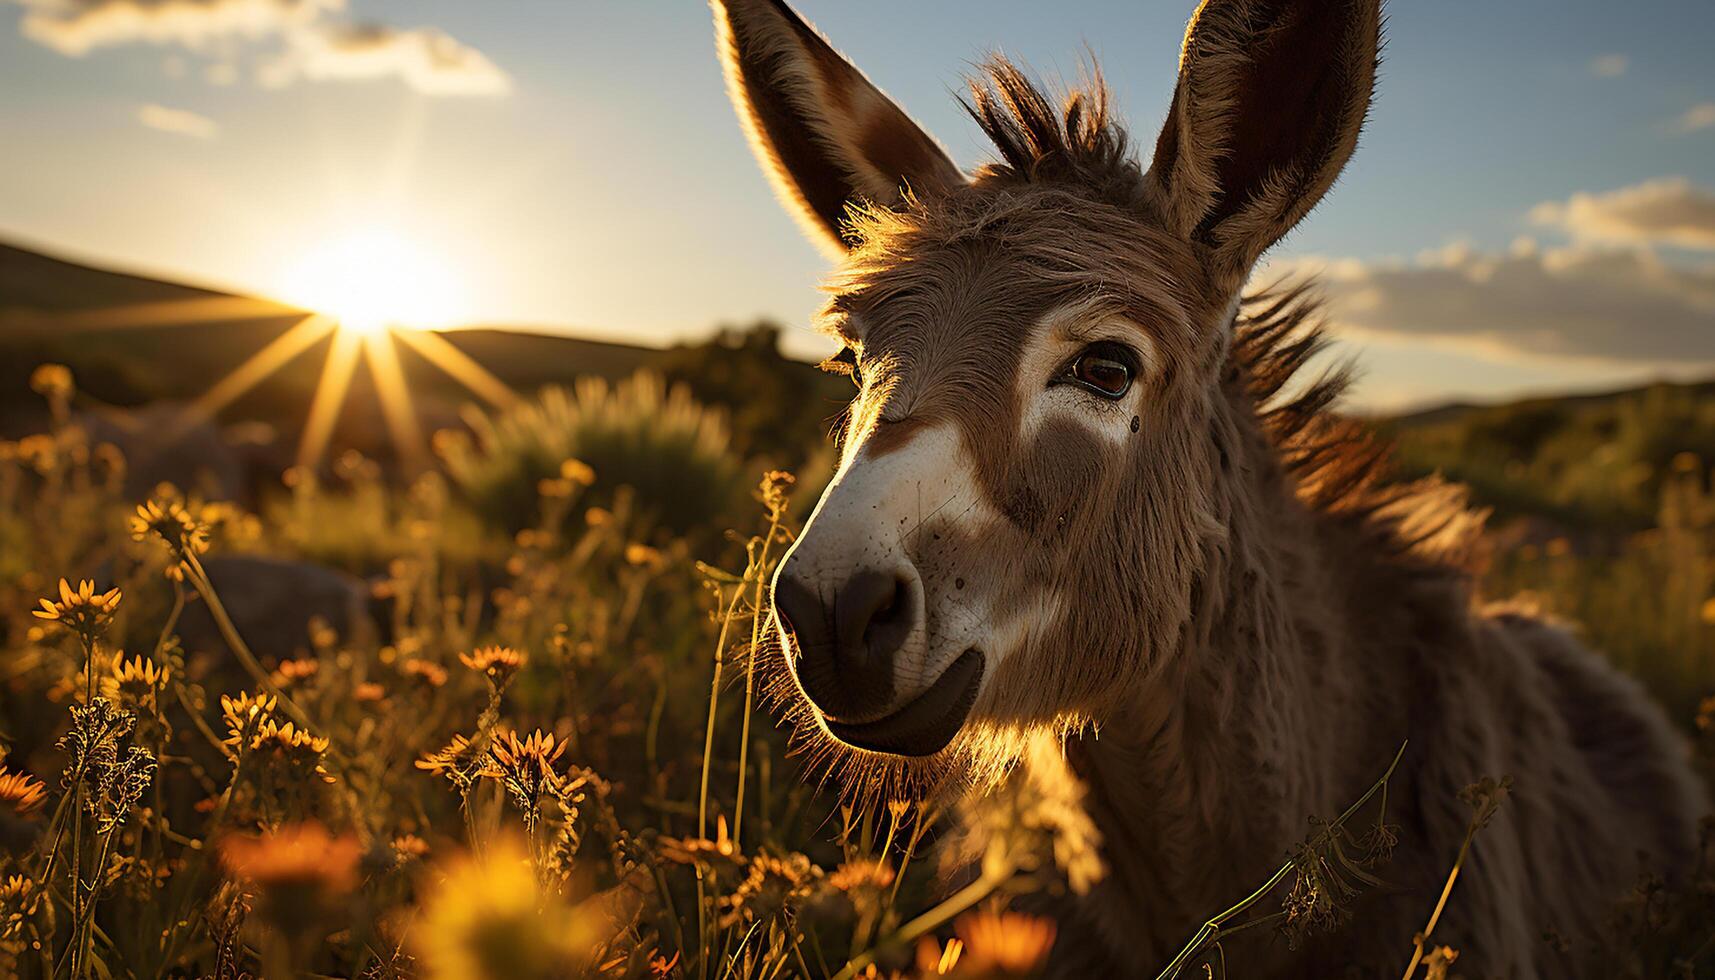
[546, 758]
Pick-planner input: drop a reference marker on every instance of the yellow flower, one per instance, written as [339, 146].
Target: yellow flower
[243, 712]
[489, 919]
[292, 748]
[643, 555]
[168, 519]
[577, 471]
[369, 691]
[135, 681]
[22, 792]
[83, 611]
[51, 381]
[498, 664]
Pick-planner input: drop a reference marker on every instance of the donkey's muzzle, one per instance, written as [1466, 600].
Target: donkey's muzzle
[848, 639]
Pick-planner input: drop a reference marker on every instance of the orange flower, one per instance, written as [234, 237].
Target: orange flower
[498, 664]
[1003, 943]
[21, 791]
[300, 854]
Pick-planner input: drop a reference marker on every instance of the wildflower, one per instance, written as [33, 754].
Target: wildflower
[598, 517]
[720, 856]
[858, 876]
[409, 847]
[643, 555]
[292, 749]
[1003, 943]
[428, 672]
[369, 691]
[298, 872]
[20, 791]
[526, 768]
[294, 670]
[489, 919]
[577, 471]
[135, 681]
[459, 761]
[773, 492]
[244, 713]
[17, 903]
[168, 519]
[84, 611]
[113, 777]
[771, 886]
[498, 664]
[52, 381]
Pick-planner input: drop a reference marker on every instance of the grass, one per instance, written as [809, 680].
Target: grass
[547, 758]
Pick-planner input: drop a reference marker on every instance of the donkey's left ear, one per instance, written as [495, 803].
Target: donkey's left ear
[827, 137]
[1271, 96]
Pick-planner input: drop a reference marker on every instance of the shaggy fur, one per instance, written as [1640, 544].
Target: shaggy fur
[1235, 618]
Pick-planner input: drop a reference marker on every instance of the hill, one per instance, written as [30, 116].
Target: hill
[133, 340]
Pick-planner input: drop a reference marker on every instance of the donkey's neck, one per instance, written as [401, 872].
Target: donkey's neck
[1264, 715]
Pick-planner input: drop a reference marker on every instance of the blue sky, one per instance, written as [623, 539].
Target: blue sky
[576, 165]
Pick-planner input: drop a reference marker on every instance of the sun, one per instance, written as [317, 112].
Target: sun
[374, 279]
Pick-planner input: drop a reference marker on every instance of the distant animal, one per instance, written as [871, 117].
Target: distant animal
[1096, 526]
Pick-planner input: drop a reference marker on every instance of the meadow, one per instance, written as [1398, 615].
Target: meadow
[501, 718]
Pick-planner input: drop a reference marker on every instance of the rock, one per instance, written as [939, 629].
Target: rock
[161, 444]
[272, 601]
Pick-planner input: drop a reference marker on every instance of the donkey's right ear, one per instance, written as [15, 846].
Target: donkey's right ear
[1271, 97]
[827, 137]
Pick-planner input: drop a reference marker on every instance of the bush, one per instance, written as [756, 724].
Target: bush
[672, 451]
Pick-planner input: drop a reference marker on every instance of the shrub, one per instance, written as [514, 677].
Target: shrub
[671, 450]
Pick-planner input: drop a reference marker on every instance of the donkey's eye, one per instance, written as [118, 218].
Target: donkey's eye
[846, 363]
[1105, 369]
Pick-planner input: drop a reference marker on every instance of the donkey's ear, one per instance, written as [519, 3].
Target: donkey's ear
[827, 137]
[1271, 96]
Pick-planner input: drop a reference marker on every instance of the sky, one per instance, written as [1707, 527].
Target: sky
[1532, 208]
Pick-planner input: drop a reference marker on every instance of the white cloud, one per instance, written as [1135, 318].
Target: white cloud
[1576, 302]
[312, 43]
[1700, 116]
[180, 122]
[76, 27]
[1665, 211]
[424, 58]
[1609, 65]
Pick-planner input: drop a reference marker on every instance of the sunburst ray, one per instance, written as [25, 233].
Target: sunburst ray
[276, 354]
[396, 406]
[459, 366]
[329, 397]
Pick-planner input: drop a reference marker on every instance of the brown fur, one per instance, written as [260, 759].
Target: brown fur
[1239, 617]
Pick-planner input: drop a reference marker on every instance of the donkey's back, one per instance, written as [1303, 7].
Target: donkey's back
[1603, 795]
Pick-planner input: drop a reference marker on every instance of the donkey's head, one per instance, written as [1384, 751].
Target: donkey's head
[1025, 499]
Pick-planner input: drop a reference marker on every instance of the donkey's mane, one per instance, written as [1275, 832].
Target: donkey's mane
[1339, 465]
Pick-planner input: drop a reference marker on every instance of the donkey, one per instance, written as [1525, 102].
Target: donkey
[1094, 526]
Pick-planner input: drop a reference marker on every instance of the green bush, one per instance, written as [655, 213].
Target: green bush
[675, 453]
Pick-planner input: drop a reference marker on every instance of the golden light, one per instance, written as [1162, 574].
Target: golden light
[374, 278]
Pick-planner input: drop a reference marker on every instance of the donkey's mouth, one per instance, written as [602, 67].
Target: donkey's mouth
[929, 721]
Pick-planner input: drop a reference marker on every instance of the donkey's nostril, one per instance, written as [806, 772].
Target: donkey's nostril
[847, 641]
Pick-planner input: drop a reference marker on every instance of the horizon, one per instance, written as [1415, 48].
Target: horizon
[1530, 211]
